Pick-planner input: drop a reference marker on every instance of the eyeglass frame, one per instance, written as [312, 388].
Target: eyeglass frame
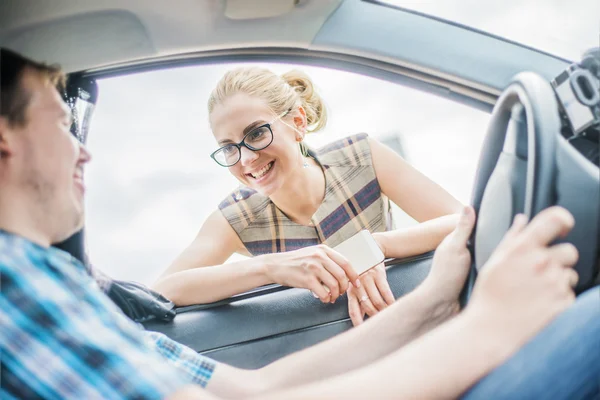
[243, 141]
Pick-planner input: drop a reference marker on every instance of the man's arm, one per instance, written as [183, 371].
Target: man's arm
[525, 285]
[416, 313]
[425, 369]
[420, 311]
[440, 365]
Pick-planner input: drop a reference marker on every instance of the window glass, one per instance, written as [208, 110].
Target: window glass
[563, 28]
[151, 182]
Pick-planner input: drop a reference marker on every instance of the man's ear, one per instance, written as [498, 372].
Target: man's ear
[5, 147]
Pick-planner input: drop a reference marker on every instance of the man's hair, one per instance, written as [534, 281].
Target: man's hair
[14, 99]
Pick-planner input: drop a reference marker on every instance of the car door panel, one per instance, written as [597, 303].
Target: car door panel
[264, 327]
[260, 352]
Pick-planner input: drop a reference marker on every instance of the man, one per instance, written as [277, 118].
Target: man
[61, 337]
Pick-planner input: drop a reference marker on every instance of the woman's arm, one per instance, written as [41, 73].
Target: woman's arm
[420, 197]
[197, 276]
[409, 189]
[415, 240]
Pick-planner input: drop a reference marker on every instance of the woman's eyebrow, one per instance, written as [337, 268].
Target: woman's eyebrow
[253, 125]
[247, 129]
[223, 142]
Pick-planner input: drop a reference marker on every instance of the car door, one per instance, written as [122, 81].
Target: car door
[259, 327]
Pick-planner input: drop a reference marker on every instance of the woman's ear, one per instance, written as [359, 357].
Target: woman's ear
[300, 121]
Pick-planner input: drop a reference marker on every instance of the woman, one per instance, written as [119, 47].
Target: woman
[295, 203]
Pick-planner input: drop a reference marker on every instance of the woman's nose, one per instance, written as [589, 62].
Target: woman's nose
[247, 156]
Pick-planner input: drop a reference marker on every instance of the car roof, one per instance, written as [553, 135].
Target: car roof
[104, 35]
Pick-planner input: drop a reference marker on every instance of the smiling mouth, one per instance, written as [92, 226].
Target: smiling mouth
[262, 172]
[78, 180]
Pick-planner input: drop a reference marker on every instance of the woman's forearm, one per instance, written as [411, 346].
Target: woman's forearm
[417, 239]
[208, 284]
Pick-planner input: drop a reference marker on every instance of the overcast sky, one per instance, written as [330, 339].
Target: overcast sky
[151, 182]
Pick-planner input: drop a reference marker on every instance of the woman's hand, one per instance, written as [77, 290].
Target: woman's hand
[373, 295]
[319, 268]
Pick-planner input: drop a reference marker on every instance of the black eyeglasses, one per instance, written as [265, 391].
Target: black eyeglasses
[257, 139]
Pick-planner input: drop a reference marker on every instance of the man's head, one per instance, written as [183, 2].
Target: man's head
[41, 163]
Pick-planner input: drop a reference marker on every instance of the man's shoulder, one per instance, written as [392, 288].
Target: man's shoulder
[25, 257]
[34, 276]
[16, 253]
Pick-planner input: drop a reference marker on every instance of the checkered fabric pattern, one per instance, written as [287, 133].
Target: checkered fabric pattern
[353, 201]
[61, 337]
[197, 368]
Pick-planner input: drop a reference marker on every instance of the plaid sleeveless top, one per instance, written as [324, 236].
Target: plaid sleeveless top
[353, 201]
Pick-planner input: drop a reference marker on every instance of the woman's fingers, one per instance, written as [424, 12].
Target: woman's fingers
[332, 284]
[354, 309]
[344, 264]
[370, 296]
[384, 287]
[338, 273]
[319, 290]
[373, 292]
[364, 301]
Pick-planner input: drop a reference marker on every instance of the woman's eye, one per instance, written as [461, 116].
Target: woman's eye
[257, 134]
[229, 149]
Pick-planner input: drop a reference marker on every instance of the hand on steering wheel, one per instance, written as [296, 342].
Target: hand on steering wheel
[517, 167]
[451, 261]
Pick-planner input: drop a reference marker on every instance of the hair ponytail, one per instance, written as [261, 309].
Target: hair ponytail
[310, 100]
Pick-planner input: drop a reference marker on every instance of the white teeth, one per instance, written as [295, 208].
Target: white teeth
[262, 171]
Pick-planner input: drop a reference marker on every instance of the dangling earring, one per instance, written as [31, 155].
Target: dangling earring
[303, 153]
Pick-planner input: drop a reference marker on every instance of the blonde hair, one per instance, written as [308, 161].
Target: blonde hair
[281, 93]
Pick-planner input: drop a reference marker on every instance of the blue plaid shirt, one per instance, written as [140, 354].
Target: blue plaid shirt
[61, 337]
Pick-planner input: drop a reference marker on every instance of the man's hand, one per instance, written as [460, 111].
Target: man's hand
[452, 260]
[527, 282]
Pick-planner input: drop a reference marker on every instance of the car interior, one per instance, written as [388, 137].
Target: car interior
[540, 149]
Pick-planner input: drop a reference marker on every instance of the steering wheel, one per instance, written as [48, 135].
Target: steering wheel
[517, 166]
